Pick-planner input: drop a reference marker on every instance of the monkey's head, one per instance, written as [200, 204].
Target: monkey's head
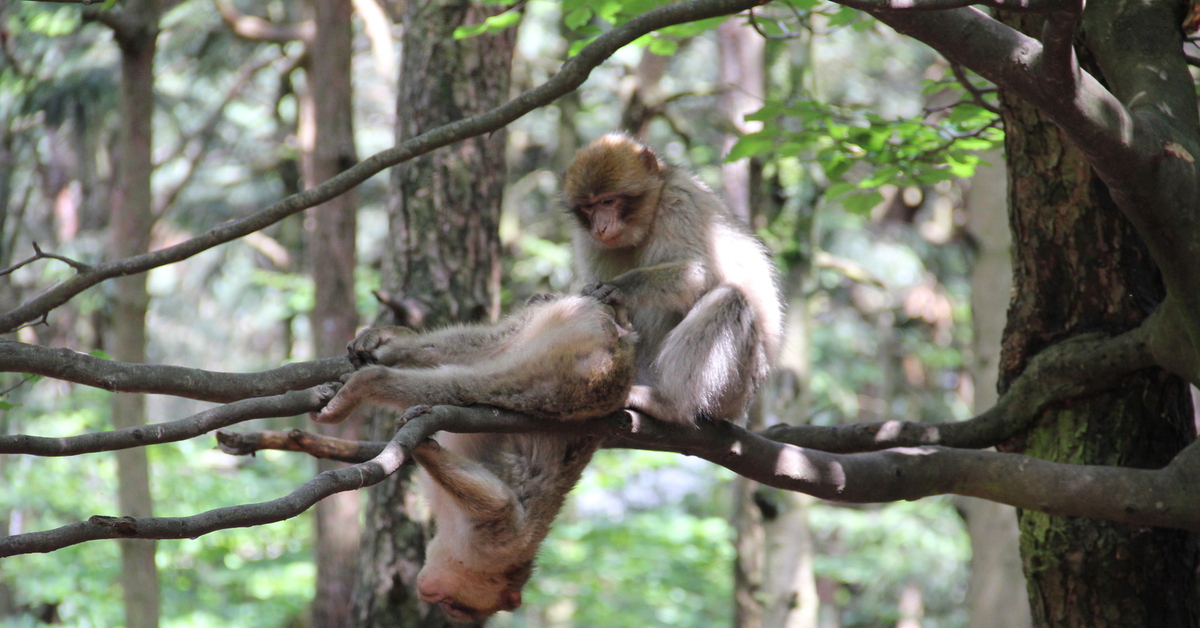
[467, 593]
[612, 188]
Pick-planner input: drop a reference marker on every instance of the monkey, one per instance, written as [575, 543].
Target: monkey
[699, 287]
[494, 496]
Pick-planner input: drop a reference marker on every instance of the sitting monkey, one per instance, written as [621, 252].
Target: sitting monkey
[493, 496]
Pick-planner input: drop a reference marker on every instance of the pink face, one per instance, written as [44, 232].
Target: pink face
[465, 595]
[606, 216]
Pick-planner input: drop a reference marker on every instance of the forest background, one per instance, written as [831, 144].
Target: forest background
[893, 255]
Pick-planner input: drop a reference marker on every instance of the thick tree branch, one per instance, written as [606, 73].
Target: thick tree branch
[1142, 137]
[1142, 497]
[1016, 6]
[159, 379]
[1073, 368]
[288, 404]
[1013, 61]
[573, 73]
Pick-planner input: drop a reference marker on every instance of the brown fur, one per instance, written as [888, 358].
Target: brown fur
[699, 287]
[493, 496]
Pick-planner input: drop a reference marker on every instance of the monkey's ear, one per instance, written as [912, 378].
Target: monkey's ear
[650, 161]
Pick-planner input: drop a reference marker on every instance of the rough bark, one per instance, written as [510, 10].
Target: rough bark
[445, 255]
[1080, 267]
[327, 134]
[129, 234]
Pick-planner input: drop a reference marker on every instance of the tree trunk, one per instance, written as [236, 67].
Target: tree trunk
[996, 593]
[129, 232]
[327, 136]
[445, 255]
[1079, 267]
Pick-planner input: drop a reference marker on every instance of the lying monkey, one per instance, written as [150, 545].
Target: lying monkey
[493, 496]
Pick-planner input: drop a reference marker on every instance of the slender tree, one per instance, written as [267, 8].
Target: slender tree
[135, 28]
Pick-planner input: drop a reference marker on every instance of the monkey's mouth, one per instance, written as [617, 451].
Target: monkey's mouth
[461, 612]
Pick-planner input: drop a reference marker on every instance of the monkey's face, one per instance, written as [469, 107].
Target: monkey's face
[610, 219]
[464, 594]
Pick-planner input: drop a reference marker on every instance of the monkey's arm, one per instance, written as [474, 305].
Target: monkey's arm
[674, 285]
[477, 490]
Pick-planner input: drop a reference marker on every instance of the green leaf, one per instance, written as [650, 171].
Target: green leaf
[751, 145]
[493, 24]
[838, 189]
[862, 202]
[99, 353]
[844, 16]
[664, 47]
[466, 32]
[577, 17]
[4, 405]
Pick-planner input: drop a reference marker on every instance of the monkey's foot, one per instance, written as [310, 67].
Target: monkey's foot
[413, 412]
[366, 348]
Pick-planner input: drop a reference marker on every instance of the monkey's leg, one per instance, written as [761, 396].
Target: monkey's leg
[402, 347]
[524, 386]
[485, 497]
[708, 365]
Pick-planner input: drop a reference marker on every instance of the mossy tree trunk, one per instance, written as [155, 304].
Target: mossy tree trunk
[1079, 267]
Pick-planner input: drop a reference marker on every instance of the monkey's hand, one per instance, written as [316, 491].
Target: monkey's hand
[326, 393]
[605, 293]
[370, 347]
[611, 296]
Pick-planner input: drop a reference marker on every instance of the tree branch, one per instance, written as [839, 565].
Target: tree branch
[573, 73]
[419, 423]
[241, 516]
[1137, 496]
[1015, 6]
[1013, 61]
[160, 379]
[1077, 367]
[258, 29]
[288, 404]
[195, 146]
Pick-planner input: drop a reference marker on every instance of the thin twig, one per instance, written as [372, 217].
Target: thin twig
[38, 254]
[288, 404]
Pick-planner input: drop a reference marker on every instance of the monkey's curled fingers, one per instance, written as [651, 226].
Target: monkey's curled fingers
[326, 393]
[540, 297]
[367, 347]
[605, 293]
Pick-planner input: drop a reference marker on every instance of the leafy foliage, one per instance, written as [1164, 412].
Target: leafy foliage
[897, 152]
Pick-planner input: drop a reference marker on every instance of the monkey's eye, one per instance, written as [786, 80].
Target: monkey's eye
[608, 202]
